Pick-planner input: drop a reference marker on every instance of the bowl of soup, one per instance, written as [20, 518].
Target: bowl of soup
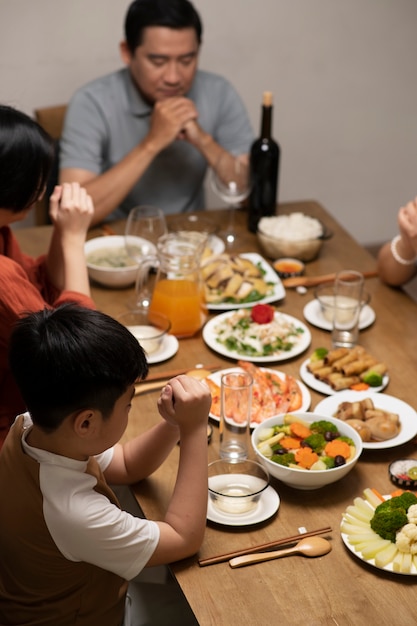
[108, 262]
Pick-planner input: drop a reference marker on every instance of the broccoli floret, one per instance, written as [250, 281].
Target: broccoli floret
[347, 440]
[391, 515]
[277, 446]
[284, 459]
[316, 442]
[387, 522]
[373, 379]
[319, 354]
[323, 427]
[328, 461]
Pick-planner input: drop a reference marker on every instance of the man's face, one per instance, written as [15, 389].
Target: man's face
[164, 65]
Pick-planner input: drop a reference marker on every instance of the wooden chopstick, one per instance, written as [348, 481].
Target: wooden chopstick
[265, 546]
[312, 281]
[171, 373]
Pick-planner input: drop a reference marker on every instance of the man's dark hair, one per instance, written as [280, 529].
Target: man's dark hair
[72, 358]
[176, 14]
[26, 157]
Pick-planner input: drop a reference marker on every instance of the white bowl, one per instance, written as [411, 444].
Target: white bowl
[304, 478]
[150, 329]
[236, 487]
[116, 276]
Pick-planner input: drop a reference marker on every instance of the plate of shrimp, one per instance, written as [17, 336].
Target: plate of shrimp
[273, 392]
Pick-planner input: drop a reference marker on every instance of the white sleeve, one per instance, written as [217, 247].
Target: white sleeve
[86, 526]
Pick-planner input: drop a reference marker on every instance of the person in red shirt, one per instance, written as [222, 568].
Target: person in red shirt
[28, 284]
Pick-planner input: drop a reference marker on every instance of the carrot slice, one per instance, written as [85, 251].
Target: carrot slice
[337, 448]
[359, 387]
[290, 443]
[306, 457]
[299, 430]
[378, 495]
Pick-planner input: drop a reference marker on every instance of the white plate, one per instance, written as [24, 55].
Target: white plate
[321, 387]
[268, 505]
[168, 348]
[305, 394]
[386, 568]
[216, 244]
[210, 336]
[313, 314]
[408, 416]
[270, 276]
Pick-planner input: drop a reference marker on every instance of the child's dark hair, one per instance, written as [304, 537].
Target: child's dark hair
[72, 358]
[26, 158]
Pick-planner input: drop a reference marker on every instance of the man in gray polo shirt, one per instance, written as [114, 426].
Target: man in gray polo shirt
[147, 133]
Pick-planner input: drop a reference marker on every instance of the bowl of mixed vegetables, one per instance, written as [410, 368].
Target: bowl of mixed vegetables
[306, 450]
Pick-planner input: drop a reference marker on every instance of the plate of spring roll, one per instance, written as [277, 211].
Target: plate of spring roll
[330, 371]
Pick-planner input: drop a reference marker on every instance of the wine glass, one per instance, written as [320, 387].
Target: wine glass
[230, 180]
[144, 226]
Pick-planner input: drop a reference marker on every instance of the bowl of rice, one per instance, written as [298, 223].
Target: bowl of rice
[295, 235]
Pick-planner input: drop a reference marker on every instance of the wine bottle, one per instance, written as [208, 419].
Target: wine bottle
[264, 167]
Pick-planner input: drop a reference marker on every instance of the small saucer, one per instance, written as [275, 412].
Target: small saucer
[268, 505]
[313, 315]
[168, 348]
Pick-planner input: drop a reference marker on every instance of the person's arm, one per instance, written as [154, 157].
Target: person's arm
[184, 404]
[109, 188]
[71, 210]
[397, 259]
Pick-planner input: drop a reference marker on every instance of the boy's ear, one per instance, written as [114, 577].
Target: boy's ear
[86, 423]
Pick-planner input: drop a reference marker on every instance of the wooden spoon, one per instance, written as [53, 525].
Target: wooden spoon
[310, 546]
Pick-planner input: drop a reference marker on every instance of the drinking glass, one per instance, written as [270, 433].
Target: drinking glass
[230, 180]
[235, 415]
[348, 288]
[144, 226]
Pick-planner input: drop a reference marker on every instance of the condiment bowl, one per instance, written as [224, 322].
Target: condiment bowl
[149, 329]
[287, 267]
[307, 479]
[284, 238]
[108, 262]
[236, 487]
[325, 296]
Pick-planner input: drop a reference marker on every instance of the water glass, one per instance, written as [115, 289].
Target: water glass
[235, 415]
[348, 295]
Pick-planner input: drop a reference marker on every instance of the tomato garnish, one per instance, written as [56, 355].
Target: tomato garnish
[262, 313]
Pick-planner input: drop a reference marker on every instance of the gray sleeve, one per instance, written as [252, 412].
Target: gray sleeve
[84, 136]
[233, 130]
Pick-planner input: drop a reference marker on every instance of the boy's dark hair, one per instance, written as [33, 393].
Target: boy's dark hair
[72, 358]
[26, 158]
[176, 14]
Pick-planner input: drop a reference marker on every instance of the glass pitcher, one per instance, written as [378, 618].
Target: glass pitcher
[178, 291]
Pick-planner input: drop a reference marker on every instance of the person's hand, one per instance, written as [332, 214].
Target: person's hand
[407, 222]
[71, 209]
[169, 118]
[185, 402]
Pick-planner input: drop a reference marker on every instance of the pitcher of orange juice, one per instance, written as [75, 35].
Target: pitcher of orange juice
[178, 291]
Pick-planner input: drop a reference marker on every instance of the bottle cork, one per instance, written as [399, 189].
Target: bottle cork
[267, 99]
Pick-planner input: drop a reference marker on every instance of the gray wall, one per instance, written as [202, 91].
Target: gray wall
[342, 73]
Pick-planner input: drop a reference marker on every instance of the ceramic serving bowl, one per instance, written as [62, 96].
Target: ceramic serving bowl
[149, 329]
[236, 487]
[305, 478]
[108, 262]
[277, 242]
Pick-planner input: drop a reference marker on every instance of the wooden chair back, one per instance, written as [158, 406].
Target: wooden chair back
[52, 120]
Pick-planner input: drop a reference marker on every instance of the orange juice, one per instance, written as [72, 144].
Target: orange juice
[182, 302]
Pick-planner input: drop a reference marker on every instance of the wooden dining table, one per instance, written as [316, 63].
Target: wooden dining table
[338, 588]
